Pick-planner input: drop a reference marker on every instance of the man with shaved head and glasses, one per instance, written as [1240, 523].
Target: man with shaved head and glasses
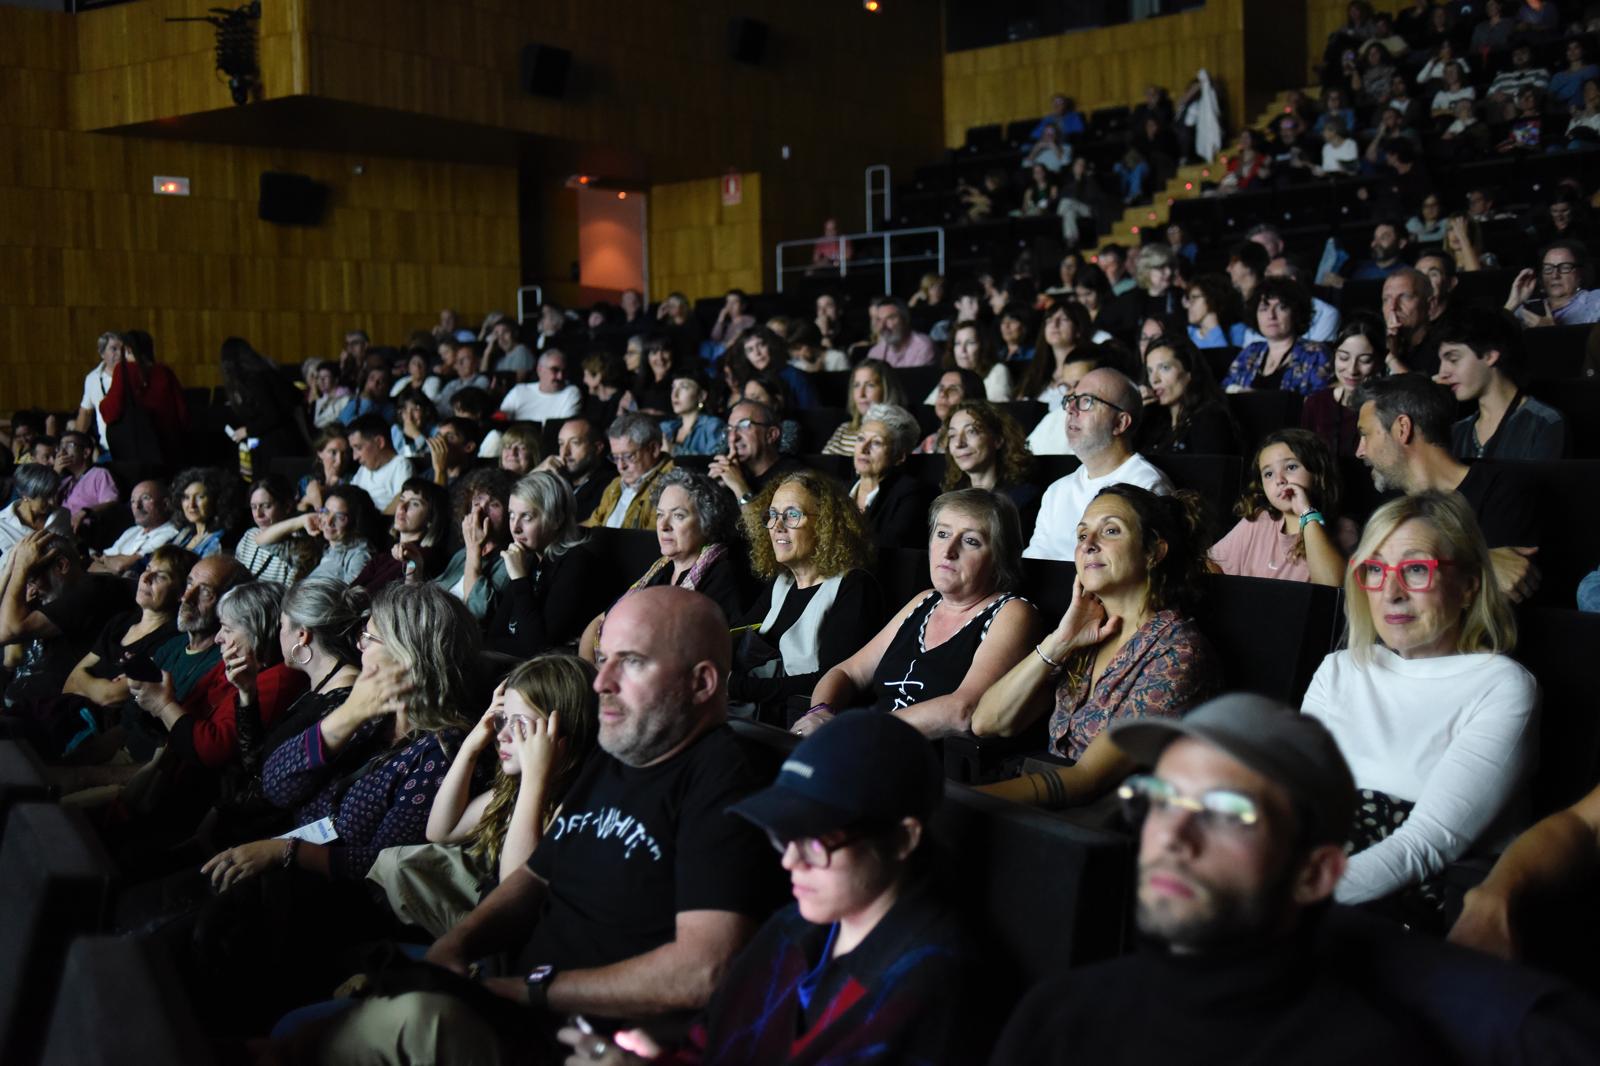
[1101, 415]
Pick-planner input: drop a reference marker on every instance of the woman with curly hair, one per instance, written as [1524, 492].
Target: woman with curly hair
[1285, 528]
[1127, 647]
[1280, 309]
[208, 501]
[541, 725]
[986, 449]
[820, 603]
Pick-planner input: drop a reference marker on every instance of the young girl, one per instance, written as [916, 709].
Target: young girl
[1287, 514]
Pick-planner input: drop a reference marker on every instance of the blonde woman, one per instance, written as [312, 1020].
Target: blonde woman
[873, 382]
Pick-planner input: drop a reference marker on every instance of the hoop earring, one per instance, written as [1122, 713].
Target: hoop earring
[299, 647]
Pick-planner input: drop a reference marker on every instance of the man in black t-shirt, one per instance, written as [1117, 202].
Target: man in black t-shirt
[1403, 422]
[53, 610]
[642, 889]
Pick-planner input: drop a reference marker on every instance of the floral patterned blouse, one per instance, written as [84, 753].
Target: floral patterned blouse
[1307, 368]
[1165, 669]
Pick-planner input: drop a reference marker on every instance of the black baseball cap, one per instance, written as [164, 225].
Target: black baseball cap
[864, 767]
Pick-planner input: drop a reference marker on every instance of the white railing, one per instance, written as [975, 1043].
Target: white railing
[875, 192]
[522, 293]
[851, 246]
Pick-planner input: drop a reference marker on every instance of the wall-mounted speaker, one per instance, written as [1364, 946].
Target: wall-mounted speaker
[747, 40]
[544, 70]
[291, 199]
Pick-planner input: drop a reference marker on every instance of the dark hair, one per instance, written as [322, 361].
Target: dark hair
[371, 425]
[365, 523]
[469, 428]
[1219, 295]
[1202, 390]
[1313, 453]
[1252, 257]
[489, 480]
[777, 389]
[474, 401]
[1093, 278]
[986, 347]
[275, 485]
[1580, 255]
[438, 531]
[1180, 521]
[610, 368]
[141, 344]
[1290, 294]
[1368, 324]
[227, 511]
[1430, 406]
[1485, 330]
[1042, 367]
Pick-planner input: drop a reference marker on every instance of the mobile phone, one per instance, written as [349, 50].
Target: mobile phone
[140, 668]
[1536, 308]
[583, 1024]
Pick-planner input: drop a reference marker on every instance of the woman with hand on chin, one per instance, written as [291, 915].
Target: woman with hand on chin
[1287, 514]
[346, 522]
[476, 574]
[1127, 646]
[553, 571]
[421, 526]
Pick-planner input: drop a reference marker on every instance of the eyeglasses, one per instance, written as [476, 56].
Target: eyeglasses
[815, 852]
[367, 639]
[1417, 575]
[334, 518]
[623, 458]
[747, 423]
[1559, 268]
[791, 517]
[1219, 809]
[1084, 402]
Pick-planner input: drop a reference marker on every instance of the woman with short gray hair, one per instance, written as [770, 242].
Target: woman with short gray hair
[893, 504]
[554, 571]
[37, 486]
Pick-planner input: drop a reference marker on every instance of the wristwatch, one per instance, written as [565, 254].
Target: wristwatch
[539, 981]
[747, 499]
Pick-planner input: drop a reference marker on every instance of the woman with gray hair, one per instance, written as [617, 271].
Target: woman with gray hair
[37, 486]
[942, 651]
[697, 531]
[370, 768]
[893, 505]
[553, 569]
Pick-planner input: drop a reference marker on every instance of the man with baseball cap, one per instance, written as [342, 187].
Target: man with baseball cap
[1243, 819]
[866, 965]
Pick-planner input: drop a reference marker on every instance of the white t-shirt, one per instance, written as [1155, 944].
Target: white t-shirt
[1055, 535]
[1445, 100]
[383, 484]
[1453, 734]
[1341, 159]
[95, 384]
[1049, 437]
[136, 540]
[996, 386]
[13, 529]
[525, 403]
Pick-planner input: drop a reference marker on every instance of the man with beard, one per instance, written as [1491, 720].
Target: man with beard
[1244, 818]
[1404, 427]
[642, 889]
[53, 610]
[898, 344]
[578, 458]
[187, 658]
[1102, 415]
[152, 527]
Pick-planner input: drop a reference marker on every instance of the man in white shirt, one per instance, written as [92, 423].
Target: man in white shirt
[150, 530]
[1102, 415]
[382, 471]
[548, 399]
[95, 385]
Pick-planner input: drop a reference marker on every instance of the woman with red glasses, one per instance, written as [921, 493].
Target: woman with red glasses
[1435, 719]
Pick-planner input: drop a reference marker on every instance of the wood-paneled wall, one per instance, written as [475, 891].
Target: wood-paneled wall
[1097, 68]
[1322, 18]
[698, 246]
[85, 245]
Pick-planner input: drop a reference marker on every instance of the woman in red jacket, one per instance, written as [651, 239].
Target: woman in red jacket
[144, 410]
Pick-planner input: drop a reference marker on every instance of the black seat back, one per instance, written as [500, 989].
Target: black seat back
[22, 778]
[1214, 477]
[1555, 645]
[55, 879]
[1261, 412]
[1270, 635]
[121, 1004]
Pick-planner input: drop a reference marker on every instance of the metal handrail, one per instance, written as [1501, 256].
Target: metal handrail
[844, 240]
[538, 300]
[881, 168]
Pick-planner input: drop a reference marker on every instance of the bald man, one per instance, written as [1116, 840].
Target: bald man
[643, 887]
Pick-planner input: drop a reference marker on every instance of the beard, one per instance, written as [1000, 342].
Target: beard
[192, 620]
[646, 731]
[1216, 917]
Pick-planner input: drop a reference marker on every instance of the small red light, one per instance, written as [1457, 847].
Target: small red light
[583, 179]
[622, 196]
[1133, 229]
[1188, 186]
[1205, 173]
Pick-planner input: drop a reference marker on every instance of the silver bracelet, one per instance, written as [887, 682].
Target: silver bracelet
[1038, 649]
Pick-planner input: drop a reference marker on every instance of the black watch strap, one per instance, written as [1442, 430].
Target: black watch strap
[538, 981]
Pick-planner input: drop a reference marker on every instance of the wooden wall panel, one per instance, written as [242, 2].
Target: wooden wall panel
[1322, 18]
[86, 246]
[1098, 68]
[698, 246]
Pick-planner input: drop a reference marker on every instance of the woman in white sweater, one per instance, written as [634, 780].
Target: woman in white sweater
[1435, 719]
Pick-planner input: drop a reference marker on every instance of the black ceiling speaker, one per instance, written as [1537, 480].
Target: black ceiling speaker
[291, 199]
[747, 40]
[544, 70]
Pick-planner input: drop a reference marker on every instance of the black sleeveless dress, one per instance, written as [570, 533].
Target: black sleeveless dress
[911, 672]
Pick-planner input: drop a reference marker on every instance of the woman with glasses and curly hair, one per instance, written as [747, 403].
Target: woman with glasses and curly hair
[820, 604]
[1287, 516]
[1436, 719]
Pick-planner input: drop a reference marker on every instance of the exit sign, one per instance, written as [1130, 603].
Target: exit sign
[169, 186]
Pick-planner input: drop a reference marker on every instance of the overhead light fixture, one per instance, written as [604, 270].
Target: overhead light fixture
[872, 6]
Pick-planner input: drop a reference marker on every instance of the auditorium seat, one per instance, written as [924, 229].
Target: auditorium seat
[1270, 635]
[1214, 477]
[1555, 352]
[832, 387]
[121, 1003]
[1263, 411]
[628, 554]
[1556, 646]
[1579, 403]
[22, 778]
[55, 879]
[817, 425]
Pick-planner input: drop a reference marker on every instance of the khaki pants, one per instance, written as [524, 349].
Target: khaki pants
[416, 1029]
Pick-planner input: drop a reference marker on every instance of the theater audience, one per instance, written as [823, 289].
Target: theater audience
[476, 573]
[519, 451]
[932, 662]
[954, 387]
[767, 353]
[1287, 514]
[1483, 360]
[1191, 414]
[381, 472]
[326, 395]
[870, 383]
[972, 349]
[986, 450]
[1404, 424]
[1102, 415]
[136, 632]
[691, 430]
[413, 424]
[37, 486]
[421, 531]
[771, 392]
[1281, 310]
[820, 602]
[554, 572]
[1563, 272]
[464, 367]
[452, 450]
[580, 457]
[540, 728]
[281, 559]
[1410, 309]
[893, 504]
[548, 398]
[1436, 719]
[208, 500]
[1127, 646]
[898, 344]
[349, 528]
[1330, 412]
[87, 491]
[753, 458]
[333, 466]
[1065, 337]
[636, 447]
